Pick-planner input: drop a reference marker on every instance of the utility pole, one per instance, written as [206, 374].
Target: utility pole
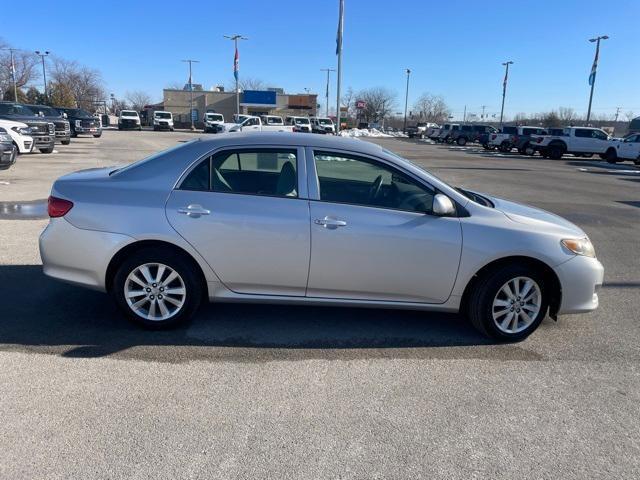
[329, 70]
[193, 127]
[44, 71]
[617, 113]
[236, 66]
[464, 115]
[483, 107]
[594, 68]
[406, 101]
[504, 88]
[13, 73]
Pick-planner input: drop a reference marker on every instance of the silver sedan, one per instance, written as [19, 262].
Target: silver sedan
[295, 218]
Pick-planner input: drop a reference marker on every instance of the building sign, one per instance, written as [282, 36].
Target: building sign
[361, 104]
[305, 102]
[258, 97]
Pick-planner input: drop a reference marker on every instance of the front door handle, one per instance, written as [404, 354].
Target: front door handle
[194, 211]
[330, 222]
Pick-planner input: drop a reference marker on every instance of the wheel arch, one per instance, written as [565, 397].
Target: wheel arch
[552, 282]
[558, 143]
[132, 248]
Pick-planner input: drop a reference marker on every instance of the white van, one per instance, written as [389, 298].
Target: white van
[162, 121]
[212, 122]
[299, 124]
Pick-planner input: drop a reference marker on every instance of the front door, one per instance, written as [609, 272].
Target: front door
[240, 210]
[373, 236]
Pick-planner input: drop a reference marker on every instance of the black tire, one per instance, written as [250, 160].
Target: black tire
[556, 151]
[462, 141]
[587, 155]
[46, 150]
[180, 263]
[65, 142]
[611, 156]
[74, 134]
[155, 129]
[505, 147]
[479, 308]
[139, 129]
[97, 136]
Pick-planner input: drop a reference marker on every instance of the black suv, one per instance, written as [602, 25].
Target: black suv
[63, 130]
[82, 122]
[42, 131]
[8, 151]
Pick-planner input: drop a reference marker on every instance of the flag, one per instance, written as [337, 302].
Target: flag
[236, 64]
[594, 67]
[340, 28]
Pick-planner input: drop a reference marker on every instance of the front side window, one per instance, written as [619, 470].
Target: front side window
[254, 172]
[359, 181]
[599, 134]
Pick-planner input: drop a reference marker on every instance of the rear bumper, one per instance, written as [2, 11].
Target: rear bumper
[580, 279]
[78, 256]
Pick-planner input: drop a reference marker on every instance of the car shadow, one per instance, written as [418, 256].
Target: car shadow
[41, 315]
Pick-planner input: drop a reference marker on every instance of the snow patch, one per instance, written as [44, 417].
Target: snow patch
[362, 132]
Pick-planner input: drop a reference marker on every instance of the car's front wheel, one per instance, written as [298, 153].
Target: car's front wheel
[462, 141]
[157, 288]
[509, 303]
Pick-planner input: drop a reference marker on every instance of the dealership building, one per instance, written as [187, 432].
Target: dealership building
[252, 102]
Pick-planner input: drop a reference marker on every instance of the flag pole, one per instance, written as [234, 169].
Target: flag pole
[594, 68]
[339, 72]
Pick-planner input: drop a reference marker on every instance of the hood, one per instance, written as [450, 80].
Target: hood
[25, 118]
[9, 124]
[535, 217]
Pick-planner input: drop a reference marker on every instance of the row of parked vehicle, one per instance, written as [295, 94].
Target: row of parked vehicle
[215, 123]
[36, 128]
[548, 142]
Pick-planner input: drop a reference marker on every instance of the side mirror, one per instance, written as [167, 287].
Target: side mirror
[443, 206]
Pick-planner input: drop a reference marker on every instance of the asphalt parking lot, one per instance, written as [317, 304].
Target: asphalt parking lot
[250, 391]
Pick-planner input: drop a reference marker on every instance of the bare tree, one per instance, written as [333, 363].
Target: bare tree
[629, 115]
[380, 102]
[84, 83]
[567, 115]
[349, 100]
[138, 99]
[25, 64]
[431, 108]
[246, 83]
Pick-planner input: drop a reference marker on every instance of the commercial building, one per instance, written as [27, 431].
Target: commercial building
[252, 102]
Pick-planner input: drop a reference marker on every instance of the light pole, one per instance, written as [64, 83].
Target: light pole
[406, 101]
[328, 70]
[189, 61]
[44, 71]
[504, 88]
[13, 74]
[236, 66]
[594, 67]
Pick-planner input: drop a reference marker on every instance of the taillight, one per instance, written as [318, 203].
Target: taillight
[58, 207]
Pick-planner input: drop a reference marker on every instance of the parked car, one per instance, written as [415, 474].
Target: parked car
[253, 124]
[634, 126]
[212, 122]
[462, 135]
[522, 139]
[20, 134]
[42, 132]
[578, 141]
[299, 124]
[628, 148]
[162, 120]
[129, 120]
[271, 120]
[322, 125]
[503, 140]
[61, 124]
[446, 131]
[81, 122]
[418, 129]
[311, 219]
[8, 151]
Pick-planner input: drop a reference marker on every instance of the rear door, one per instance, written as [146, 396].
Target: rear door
[245, 211]
[630, 148]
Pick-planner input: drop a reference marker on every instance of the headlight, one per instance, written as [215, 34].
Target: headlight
[78, 123]
[579, 246]
[22, 130]
[5, 138]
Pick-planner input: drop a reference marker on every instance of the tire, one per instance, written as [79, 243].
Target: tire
[139, 129]
[486, 146]
[587, 155]
[462, 141]
[155, 129]
[555, 152]
[480, 307]
[611, 156]
[505, 147]
[74, 134]
[97, 136]
[46, 150]
[637, 161]
[155, 258]
[449, 140]
[65, 142]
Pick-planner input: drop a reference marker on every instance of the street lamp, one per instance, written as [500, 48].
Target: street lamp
[44, 71]
[504, 87]
[193, 127]
[406, 101]
[328, 70]
[236, 66]
[594, 67]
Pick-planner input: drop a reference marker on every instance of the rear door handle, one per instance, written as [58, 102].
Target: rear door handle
[330, 222]
[194, 211]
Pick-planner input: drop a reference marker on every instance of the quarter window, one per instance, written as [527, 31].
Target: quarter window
[359, 181]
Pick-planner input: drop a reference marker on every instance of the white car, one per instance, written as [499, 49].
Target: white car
[323, 125]
[628, 148]
[299, 124]
[212, 121]
[254, 124]
[20, 134]
[580, 141]
[162, 120]
[129, 120]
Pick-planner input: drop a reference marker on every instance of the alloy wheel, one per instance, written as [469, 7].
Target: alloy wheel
[155, 291]
[516, 305]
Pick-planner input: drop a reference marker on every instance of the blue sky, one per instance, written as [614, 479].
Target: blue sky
[454, 48]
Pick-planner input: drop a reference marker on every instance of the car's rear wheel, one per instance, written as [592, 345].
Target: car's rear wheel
[462, 141]
[555, 152]
[505, 147]
[508, 303]
[157, 288]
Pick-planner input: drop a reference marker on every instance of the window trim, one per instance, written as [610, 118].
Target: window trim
[314, 181]
[301, 170]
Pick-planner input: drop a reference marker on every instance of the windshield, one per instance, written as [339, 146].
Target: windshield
[274, 120]
[15, 109]
[302, 121]
[46, 111]
[325, 121]
[129, 114]
[214, 118]
[76, 112]
[162, 115]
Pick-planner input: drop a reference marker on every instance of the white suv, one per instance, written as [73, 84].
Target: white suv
[20, 133]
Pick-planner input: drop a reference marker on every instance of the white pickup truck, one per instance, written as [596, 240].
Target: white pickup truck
[627, 148]
[580, 141]
[253, 124]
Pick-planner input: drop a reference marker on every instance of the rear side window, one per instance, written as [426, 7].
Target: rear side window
[199, 178]
[583, 133]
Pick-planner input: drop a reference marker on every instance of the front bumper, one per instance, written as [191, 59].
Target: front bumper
[78, 256]
[163, 126]
[580, 279]
[128, 125]
[8, 154]
[44, 141]
[63, 135]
